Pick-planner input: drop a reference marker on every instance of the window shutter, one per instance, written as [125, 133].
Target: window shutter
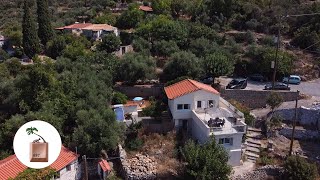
[231, 141]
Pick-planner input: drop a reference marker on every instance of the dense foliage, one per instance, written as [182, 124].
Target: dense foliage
[298, 168]
[208, 161]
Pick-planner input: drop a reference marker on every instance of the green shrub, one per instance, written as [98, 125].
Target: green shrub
[297, 168]
[134, 144]
[119, 98]
[268, 40]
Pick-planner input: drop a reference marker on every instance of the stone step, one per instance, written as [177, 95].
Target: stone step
[254, 136]
[253, 149]
[250, 158]
[250, 154]
[253, 141]
[252, 145]
[254, 129]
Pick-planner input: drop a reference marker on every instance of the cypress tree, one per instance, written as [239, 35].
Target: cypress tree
[45, 30]
[31, 43]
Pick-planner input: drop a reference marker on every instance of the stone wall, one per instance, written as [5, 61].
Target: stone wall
[255, 98]
[306, 116]
[138, 167]
[261, 173]
[300, 134]
[141, 90]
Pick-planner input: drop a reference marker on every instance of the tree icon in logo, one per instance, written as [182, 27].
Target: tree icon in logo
[38, 150]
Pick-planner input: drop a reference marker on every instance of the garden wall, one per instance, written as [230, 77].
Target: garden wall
[141, 90]
[255, 98]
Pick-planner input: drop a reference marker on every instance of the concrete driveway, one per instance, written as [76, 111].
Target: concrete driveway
[311, 88]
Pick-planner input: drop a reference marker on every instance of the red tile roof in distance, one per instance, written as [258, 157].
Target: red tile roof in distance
[75, 26]
[10, 167]
[104, 165]
[185, 87]
[146, 8]
[66, 157]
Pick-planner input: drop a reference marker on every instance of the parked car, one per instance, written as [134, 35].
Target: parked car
[292, 79]
[239, 83]
[277, 86]
[257, 77]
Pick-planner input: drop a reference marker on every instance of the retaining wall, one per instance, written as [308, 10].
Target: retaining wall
[255, 98]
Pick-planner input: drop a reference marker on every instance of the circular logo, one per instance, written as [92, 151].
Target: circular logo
[37, 144]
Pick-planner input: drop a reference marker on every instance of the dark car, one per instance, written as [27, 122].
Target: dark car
[257, 77]
[277, 86]
[237, 84]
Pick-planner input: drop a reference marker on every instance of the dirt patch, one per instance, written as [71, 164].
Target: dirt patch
[163, 149]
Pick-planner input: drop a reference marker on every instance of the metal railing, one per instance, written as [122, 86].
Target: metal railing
[231, 107]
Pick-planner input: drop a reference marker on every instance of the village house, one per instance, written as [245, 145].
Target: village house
[67, 166]
[104, 169]
[92, 31]
[2, 41]
[198, 109]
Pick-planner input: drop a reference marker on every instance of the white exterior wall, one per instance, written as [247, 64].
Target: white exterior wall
[191, 99]
[73, 174]
[200, 131]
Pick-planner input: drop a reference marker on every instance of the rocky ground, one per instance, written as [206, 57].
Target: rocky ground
[264, 172]
[141, 167]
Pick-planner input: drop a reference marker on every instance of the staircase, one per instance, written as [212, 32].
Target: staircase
[253, 144]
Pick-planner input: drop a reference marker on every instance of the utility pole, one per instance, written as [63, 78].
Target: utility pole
[276, 58]
[85, 167]
[294, 123]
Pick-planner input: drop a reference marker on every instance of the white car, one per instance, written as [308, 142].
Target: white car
[292, 79]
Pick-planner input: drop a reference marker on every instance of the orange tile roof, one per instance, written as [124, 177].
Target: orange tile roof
[104, 165]
[146, 8]
[98, 27]
[10, 167]
[65, 157]
[185, 87]
[75, 26]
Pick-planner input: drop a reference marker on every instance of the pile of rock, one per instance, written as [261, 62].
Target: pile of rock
[301, 134]
[140, 167]
[261, 173]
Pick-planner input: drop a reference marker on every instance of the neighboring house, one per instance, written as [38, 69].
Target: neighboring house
[123, 50]
[146, 9]
[198, 109]
[67, 166]
[129, 112]
[104, 169]
[2, 41]
[93, 31]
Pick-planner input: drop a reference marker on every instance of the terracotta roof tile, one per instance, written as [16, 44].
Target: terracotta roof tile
[75, 26]
[98, 27]
[104, 165]
[66, 157]
[10, 167]
[185, 87]
[146, 8]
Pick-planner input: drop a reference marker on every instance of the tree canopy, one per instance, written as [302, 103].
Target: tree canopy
[208, 161]
[182, 64]
[298, 168]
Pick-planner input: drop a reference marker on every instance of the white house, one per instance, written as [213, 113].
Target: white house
[67, 166]
[199, 109]
[2, 40]
[93, 31]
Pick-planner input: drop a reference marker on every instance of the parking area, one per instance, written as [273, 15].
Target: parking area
[311, 88]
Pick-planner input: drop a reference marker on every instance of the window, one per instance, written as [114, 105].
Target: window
[68, 167]
[198, 104]
[183, 106]
[211, 103]
[226, 141]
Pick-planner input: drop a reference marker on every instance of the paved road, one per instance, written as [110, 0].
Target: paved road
[311, 88]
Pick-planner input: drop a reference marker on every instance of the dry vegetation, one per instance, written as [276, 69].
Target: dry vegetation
[163, 148]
